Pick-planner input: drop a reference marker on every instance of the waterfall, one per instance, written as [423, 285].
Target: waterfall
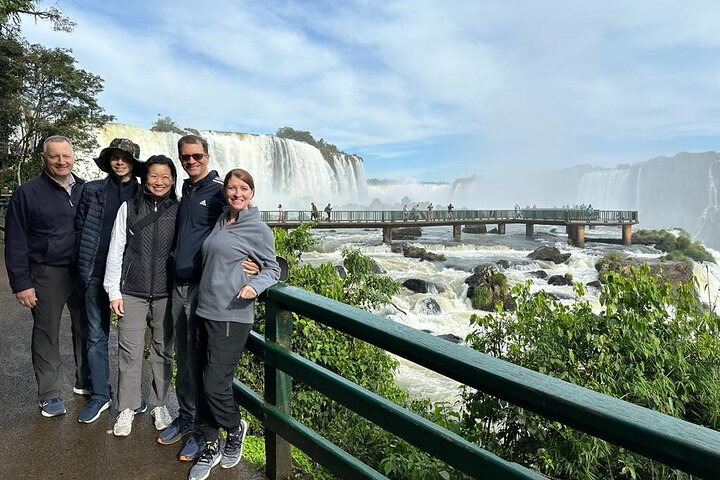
[285, 171]
[608, 189]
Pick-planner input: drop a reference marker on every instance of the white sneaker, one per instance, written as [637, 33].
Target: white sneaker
[123, 424]
[162, 417]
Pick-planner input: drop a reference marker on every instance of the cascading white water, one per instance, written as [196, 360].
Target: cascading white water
[609, 189]
[285, 171]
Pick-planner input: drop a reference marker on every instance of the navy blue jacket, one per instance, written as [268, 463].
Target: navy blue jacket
[39, 228]
[91, 216]
[200, 207]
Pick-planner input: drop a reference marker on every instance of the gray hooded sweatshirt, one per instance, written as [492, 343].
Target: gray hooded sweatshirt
[222, 272]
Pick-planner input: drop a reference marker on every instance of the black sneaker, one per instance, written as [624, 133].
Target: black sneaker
[234, 446]
[209, 457]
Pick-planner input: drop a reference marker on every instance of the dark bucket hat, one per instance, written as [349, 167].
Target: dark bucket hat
[129, 147]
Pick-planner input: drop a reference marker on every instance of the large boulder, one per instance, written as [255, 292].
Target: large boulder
[550, 254]
[416, 285]
[560, 280]
[539, 274]
[482, 228]
[377, 268]
[422, 254]
[451, 337]
[428, 306]
[422, 286]
[487, 286]
[406, 232]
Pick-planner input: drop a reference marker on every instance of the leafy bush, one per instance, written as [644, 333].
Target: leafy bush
[648, 346]
[482, 298]
[358, 361]
[668, 242]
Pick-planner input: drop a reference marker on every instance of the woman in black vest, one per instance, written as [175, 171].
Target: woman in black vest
[136, 280]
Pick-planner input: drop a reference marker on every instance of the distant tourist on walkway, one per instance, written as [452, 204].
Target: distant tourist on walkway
[450, 211]
[98, 207]
[328, 209]
[314, 213]
[405, 213]
[39, 251]
[226, 313]
[281, 216]
[430, 211]
[201, 205]
[414, 212]
[137, 282]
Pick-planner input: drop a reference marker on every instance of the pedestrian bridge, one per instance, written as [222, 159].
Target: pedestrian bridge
[574, 220]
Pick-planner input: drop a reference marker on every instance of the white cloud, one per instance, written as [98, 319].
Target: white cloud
[555, 82]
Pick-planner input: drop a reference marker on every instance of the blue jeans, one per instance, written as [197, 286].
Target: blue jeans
[97, 307]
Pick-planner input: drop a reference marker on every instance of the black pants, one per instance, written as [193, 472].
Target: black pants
[221, 344]
[55, 287]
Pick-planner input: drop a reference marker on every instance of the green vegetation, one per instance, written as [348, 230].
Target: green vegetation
[482, 298]
[328, 150]
[43, 93]
[167, 124]
[651, 345]
[360, 362]
[678, 247]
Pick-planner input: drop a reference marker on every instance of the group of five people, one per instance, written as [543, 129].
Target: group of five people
[193, 267]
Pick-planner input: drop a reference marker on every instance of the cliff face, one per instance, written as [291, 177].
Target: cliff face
[285, 171]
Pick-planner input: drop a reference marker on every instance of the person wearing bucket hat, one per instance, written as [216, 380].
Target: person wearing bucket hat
[125, 148]
[97, 209]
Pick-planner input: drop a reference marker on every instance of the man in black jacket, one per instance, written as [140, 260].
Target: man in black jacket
[201, 205]
[39, 256]
[99, 203]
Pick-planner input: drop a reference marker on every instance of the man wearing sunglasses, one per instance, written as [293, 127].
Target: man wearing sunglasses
[201, 205]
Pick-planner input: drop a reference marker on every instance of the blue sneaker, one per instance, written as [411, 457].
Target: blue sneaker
[142, 408]
[92, 410]
[53, 407]
[209, 457]
[175, 431]
[193, 448]
[234, 446]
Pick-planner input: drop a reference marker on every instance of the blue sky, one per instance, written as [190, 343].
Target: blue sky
[421, 89]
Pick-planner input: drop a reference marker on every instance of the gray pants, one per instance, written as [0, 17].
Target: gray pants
[131, 345]
[189, 370]
[55, 287]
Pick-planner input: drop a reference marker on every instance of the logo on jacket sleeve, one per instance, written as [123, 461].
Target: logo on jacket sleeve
[203, 203]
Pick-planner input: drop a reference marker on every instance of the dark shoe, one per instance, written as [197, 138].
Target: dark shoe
[142, 408]
[209, 457]
[175, 431]
[193, 447]
[92, 410]
[53, 407]
[234, 446]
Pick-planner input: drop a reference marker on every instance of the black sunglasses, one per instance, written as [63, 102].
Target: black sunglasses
[195, 156]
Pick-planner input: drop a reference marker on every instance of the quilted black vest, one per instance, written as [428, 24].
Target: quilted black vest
[145, 262]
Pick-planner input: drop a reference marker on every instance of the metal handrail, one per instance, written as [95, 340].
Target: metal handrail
[672, 441]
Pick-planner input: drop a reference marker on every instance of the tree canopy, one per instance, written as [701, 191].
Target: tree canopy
[42, 92]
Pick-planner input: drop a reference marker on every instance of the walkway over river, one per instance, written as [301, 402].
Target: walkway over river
[574, 220]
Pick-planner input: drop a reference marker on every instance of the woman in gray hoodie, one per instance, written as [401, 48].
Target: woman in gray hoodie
[226, 310]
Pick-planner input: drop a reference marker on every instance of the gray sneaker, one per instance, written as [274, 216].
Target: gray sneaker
[234, 446]
[209, 457]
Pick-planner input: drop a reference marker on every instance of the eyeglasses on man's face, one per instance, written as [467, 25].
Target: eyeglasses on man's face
[185, 157]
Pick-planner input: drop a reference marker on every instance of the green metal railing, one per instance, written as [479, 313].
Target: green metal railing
[518, 216]
[677, 443]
